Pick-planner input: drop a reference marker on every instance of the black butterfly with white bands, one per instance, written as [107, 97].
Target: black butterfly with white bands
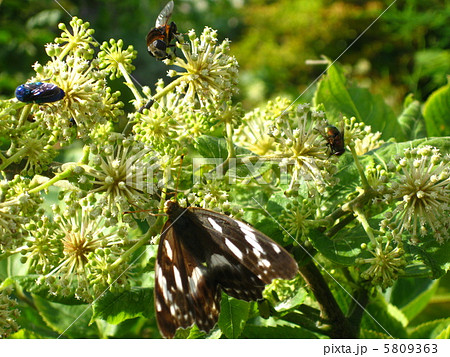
[202, 252]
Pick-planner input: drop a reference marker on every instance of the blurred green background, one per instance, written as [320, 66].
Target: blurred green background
[405, 51]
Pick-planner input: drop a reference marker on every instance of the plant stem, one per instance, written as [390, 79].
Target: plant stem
[360, 169]
[14, 158]
[61, 176]
[330, 311]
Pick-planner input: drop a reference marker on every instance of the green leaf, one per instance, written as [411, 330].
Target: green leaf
[445, 334]
[233, 315]
[340, 98]
[364, 333]
[430, 329]
[293, 301]
[211, 147]
[70, 320]
[384, 318]
[274, 328]
[31, 321]
[434, 255]
[436, 112]
[343, 248]
[412, 122]
[117, 307]
[412, 295]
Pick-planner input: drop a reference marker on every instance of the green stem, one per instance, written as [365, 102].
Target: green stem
[363, 220]
[14, 158]
[364, 181]
[130, 83]
[229, 138]
[61, 176]
[24, 114]
[69, 47]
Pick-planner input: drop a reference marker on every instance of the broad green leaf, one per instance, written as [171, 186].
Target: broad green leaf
[430, 329]
[233, 315]
[69, 320]
[211, 147]
[412, 122]
[445, 334]
[437, 112]
[295, 300]
[343, 248]
[385, 318]
[412, 295]
[117, 307]
[25, 334]
[274, 328]
[31, 321]
[340, 98]
[433, 254]
[364, 333]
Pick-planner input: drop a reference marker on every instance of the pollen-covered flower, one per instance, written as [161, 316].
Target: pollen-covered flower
[361, 136]
[422, 194]
[297, 219]
[36, 147]
[253, 133]
[124, 172]
[300, 146]
[84, 105]
[8, 313]
[79, 42]
[387, 264]
[17, 207]
[43, 247]
[211, 74]
[158, 127]
[86, 238]
[115, 59]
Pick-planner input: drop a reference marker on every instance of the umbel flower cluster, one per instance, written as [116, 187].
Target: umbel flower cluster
[91, 238]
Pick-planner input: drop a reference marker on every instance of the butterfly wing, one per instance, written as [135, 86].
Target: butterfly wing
[243, 260]
[201, 252]
[184, 293]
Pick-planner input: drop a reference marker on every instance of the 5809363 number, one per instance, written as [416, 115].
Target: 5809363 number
[410, 348]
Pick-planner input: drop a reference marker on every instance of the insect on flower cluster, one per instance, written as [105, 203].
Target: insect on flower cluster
[280, 187]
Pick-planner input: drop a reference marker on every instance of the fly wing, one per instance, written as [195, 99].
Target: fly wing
[164, 15]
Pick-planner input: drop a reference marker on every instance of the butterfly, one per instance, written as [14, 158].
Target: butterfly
[201, 253]
[160, 36]
[39, 92]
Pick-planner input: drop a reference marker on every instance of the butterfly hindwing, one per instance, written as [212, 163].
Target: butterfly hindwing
[251, 248]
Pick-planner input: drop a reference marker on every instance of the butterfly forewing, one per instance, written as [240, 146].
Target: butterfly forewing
[202, 252]
[184, 294]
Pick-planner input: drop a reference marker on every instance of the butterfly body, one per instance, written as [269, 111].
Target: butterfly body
[39, 92]
[201, 253]
[160, 36]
